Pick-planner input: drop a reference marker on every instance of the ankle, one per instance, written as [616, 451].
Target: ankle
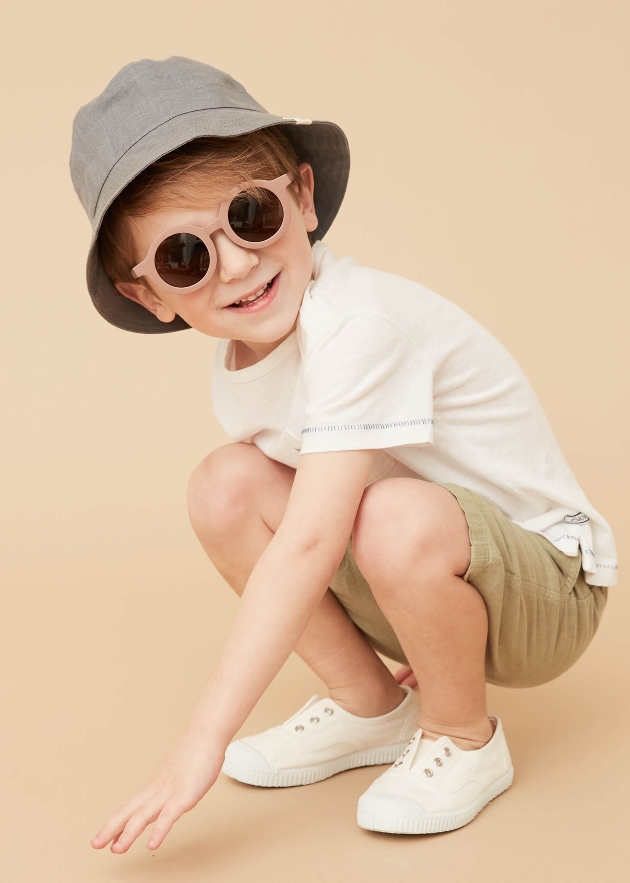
[468, 737]
[368, 702]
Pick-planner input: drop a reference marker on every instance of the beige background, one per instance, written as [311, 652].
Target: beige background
[490, 162]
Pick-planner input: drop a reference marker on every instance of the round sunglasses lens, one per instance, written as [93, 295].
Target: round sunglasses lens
[256, 219]
[182, 260]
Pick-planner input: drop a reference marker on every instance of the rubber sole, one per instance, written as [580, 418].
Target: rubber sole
[310, 775]
[436, 822]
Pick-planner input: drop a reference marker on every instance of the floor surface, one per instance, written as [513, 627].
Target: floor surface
[101, 699]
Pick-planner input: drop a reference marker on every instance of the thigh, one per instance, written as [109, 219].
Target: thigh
[542, 614]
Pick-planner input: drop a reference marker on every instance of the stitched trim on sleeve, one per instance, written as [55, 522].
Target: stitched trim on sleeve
[424, 421]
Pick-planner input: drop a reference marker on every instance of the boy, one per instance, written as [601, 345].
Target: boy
[392, 483]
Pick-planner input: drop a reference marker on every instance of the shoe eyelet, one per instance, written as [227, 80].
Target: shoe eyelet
[314, 720]
[406, 751]
[413, 739]
[398, 763]
[298, 728]
[447, 752]
[428, 773]
[329, 711]
[437, 761]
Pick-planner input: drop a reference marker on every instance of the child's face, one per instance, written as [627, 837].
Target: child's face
[240, 271]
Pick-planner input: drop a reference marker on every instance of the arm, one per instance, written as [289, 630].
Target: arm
[286, 585]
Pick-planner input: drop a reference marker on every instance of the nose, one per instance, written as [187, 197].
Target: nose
[234, 261]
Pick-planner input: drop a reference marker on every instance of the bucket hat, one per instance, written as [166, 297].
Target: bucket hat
[153, 107]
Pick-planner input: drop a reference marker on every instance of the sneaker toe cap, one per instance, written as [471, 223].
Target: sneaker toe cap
[243, 755]
[390, 805]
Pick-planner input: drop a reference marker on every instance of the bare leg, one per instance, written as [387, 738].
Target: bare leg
[411, 543]
[237, 498]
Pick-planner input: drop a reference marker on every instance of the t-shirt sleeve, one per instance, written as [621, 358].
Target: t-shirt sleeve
[367, 386]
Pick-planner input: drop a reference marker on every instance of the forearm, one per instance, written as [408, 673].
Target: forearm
[285, 586]
[287, 583]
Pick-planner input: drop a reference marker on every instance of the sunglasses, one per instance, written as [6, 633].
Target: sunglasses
[183, 258]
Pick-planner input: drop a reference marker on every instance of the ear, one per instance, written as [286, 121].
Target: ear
[305, 197]
[147, 298]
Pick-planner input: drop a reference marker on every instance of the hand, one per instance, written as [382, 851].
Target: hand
[406, 676]
[181, 779]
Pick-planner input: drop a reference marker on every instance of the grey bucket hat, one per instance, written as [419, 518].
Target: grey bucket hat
[149, 109]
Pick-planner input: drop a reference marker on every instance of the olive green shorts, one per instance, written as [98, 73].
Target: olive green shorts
[542, 615]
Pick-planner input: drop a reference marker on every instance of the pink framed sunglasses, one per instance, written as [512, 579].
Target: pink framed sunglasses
[183, 258]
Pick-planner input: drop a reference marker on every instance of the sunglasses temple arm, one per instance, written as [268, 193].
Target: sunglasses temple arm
[140, 269]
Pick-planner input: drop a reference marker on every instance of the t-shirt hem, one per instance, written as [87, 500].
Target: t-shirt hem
[603, 576]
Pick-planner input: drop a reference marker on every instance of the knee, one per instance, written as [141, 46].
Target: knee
[219, 489]
[379, 535]
[408, 526]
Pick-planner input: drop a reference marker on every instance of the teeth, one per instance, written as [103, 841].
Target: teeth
[253, 297]
[248, 300]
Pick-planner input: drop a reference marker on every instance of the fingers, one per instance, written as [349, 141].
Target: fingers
[143, 816]
[117, 822]
[405, 677]
[403, 673]
[167, 818]
[126, 825]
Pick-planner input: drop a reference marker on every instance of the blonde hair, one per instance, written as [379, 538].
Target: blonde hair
[190, 175]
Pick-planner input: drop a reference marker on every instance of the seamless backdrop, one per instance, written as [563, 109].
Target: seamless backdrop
[490, 162]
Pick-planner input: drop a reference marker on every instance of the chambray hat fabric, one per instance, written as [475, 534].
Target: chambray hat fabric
[153, 107]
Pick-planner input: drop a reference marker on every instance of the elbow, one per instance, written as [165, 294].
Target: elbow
[324, 552]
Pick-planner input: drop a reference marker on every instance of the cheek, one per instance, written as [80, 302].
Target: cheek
[299, 254]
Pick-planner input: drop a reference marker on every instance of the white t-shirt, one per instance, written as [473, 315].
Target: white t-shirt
[381, 362]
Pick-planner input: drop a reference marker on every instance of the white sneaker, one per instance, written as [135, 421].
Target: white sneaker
[436, 786]
[318, 741]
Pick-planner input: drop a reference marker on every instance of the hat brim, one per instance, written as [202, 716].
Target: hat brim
[320, 143]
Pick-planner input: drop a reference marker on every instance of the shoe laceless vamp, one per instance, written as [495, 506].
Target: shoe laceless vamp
[325, 736]
[456, 780]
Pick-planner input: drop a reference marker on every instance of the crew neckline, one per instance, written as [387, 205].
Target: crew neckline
[242, 375]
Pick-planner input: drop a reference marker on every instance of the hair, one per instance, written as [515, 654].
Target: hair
[201, 169]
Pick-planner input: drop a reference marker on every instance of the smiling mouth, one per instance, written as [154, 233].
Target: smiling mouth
[245, 302]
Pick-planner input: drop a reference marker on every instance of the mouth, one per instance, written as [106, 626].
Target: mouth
[258, 299]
